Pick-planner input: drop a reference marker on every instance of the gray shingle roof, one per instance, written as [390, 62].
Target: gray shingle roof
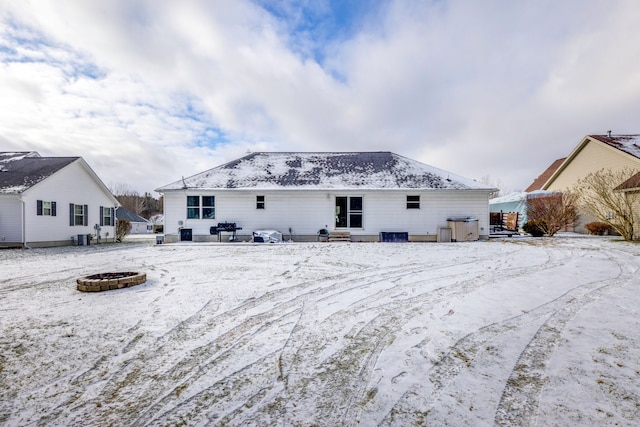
[337, 170]
[122, 213]
[20, 171]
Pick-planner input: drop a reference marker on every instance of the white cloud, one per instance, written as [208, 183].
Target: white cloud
[138, 88]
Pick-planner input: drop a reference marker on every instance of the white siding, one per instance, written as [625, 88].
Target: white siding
[305, 212]
[140, 228]
[72, 184]
[10, 220]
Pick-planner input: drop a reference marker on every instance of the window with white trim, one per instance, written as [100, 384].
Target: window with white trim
[260, 202]
[45, 208]
[201, 207]
[106, 216]
[78, 215]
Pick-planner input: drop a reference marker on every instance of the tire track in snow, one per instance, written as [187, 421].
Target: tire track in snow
[521, 395]
[367, 344]
[461, 355]
[177, 394]
[197, 357]
[132, 373]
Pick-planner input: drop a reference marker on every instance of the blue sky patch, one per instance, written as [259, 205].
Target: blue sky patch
[313, 26]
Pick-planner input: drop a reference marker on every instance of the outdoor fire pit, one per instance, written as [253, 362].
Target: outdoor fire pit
[110, 281]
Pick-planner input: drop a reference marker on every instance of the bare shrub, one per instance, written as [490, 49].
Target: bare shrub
[552, 213]
[123, 228]
[598, 228]
[598, 198]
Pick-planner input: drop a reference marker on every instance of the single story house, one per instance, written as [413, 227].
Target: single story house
[139, 225]
[593, 153]
[52, 201]
[361, 194]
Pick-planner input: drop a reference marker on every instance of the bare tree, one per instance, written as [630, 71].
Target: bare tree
[494, 182]
[128, 198]
[598, 199]
[553, 213]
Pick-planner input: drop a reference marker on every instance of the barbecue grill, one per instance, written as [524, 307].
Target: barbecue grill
[229, 227]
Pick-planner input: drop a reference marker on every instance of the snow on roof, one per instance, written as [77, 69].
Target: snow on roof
[9, 156]
[512, 197]
[630, 144]
[520, 196]
[337, 170]
[20, 171]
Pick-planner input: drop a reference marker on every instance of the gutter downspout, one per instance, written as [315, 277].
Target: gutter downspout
[24, 225]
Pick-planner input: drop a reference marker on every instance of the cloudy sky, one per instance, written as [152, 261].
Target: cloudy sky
[149, 91]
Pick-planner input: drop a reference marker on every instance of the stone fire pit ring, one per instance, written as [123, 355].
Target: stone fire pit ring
[109, 281]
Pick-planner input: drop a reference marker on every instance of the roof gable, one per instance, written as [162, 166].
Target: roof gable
[539, 182]
[21, 171]
[626, 145]
[631, 184]
[336, 170]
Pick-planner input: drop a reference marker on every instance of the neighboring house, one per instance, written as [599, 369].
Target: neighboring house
[139, 225]
[631, 190]
[593, 153]
[596, 152]
[362, 193]
[52, 201]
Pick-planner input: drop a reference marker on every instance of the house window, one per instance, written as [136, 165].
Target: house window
[106, 216]
[259, 202]
[78, 215]
[201, 207]
[413, 202]
[45, 208]
[349, 212]
[193, 207]
[208, 207]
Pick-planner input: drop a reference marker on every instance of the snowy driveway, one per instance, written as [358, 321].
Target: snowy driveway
[512, 332]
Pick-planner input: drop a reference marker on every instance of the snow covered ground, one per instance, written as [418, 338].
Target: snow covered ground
[506, 332]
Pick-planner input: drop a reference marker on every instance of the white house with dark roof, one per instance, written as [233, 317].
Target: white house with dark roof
[139, 225]
[298, 194]
[52, 201]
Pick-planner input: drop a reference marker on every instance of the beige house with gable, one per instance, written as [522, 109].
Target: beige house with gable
[593, 153]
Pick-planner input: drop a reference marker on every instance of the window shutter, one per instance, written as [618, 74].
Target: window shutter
[113, 216]
[86, 215]
[53, 208]
[39, 207]
[101, 216]
[71, 206]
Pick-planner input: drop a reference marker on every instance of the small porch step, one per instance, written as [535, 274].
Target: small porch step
[339, 236]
